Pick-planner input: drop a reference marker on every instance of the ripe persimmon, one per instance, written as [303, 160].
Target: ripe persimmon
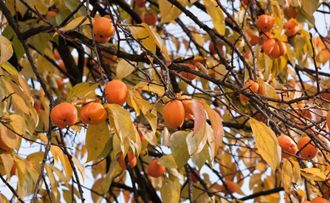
[187, 104]
[116, 92]
[140, 3]
[319, 200]
[155, 169]
[291, 27]
[56, 55]
[291, 12]
[250, 85]
[150, 18]
[265, 23]
[103, 29]
[173, 114]
[51, 13]
[93, 113]
[212, 48]
[64, 114]
[131, 160]
[282, 47]
[253, 36]
[274, 48]
[189, 76]
[309, 151]
[59, 83]
[61, 65]
[288, 146]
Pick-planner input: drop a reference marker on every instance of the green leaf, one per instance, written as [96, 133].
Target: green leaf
[96, 139]
[6, 50]
[179, 148]
[217, 16]
[124, 69]
[266, 143]
[170, 191]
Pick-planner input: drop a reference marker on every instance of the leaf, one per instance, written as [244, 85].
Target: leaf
[149, 87]
[198, 139]
[58, 154]
[73, 24]
[8, 162]
[80, 167]
[168, 11]
[82, 91]
[313, 174]
[6, 50]
[168, 161]
[96, 139]
[287, 175]
[9, 68]
[217, 16]
[149, 39]
[179, 148]
[8, 139]
[216, 124]
[124, 69]
[266, 143]
[170, 191]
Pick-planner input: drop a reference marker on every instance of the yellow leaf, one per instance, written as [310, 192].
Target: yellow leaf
[170, 191]
[6, 50]
[217, 16]
[168, 161]
[198, 139]
[287, 175]
[17, 123]
[96, 139]
[9, 68]
[266, 143]
[8, 138]
[83, 91]
[121, 120]
[168, 12]
[314, 174]
[179, 148]
[8, 162]
[58, 154]
[216, 124]
[158, 89]
[124, 69]
[80, 167]
[51, 177]
[73, 24]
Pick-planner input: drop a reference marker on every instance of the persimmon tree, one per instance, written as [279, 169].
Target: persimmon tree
[164, 101]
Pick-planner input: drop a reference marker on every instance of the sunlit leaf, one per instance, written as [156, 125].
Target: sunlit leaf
[170, 191]
[96, 139]
[217, 15]
[179, 148]
[313, 174]
[82, 91]
[168, 12]
[6, 50]
[266, 143]
[124, 69]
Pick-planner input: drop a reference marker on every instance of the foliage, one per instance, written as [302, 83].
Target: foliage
[197, 92]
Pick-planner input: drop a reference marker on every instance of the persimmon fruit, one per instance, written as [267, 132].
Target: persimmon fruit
[93, 113]
[274, 48]
[59, 83]
[309, 151]
[250, 85]
[116, 92]
[64, 114]
[131, 160]
[150, 18]
[189, 76]
[173, 114]
[291, 27]
[51, 13]
[265, 23]
[319, 200]
[155, 169]
[253, 36]
[103, 29]
[212, 47]
[140, 3]
[288, 146]
[56, 54]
